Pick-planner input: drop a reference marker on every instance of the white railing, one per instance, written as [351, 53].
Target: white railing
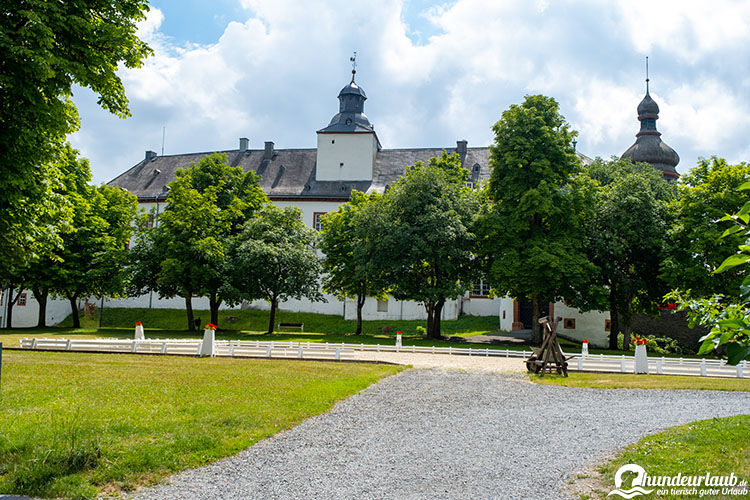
[327, 350]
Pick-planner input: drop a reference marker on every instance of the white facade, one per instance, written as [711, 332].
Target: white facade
[346, 156]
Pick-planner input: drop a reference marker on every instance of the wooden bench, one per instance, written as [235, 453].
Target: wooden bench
[299, 326]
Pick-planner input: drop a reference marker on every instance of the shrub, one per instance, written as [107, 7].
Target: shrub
[387, 329]
[421, 331]
[659, 345]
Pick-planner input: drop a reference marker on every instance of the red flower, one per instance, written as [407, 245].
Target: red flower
[399, 333]
[211, 326]
[137, 323]
[585, 341]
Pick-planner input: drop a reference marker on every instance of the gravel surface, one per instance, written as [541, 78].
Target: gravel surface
[446, 434]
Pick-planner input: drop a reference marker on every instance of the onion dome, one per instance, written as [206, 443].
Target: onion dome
[351, 116]
[649, 147]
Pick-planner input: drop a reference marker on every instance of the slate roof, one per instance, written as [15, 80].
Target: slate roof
[290, 173]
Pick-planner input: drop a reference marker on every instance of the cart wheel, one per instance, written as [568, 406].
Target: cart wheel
[530, 363]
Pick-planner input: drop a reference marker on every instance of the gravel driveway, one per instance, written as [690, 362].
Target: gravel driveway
[441, 434]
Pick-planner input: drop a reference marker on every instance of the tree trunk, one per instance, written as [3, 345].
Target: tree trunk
[214, 304]
[41, 295]
[536, 328]
[433, 318]
[189, 309]
[11, 302]
[614, 318]
[74, 310]
[626, 319]
[272, 318]
[360, 303]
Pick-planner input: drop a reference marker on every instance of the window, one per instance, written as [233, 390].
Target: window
[469, 184]
[480, 290]
[569, 324]
[151, 221]
[317, 223]
[22, 299]
[607, 325]
[382, 306]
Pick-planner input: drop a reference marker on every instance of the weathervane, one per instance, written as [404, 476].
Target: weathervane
[646, 75]
[353, 59]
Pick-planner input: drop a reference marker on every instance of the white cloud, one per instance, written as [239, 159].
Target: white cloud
[275, 76]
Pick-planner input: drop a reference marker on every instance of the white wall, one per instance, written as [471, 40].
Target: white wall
[588, 325]
[481, 306]
[355, 150]
[309, 208]
[27, 316]
[506, 314]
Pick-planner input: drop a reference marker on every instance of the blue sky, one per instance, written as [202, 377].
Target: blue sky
[434, 72]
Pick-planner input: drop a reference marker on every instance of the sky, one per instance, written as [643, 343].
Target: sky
[434, 73]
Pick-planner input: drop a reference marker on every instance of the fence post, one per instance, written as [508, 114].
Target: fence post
[739, 365]
[1, 363]
[703, 368]
[580, 364]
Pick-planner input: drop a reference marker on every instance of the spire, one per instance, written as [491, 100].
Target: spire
[353, 59]
[649, 147]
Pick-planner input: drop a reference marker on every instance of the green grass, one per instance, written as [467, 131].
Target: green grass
[719, 446]
[628, 381]
[79, 425]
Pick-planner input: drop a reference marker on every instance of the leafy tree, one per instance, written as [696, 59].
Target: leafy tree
[706, 194]
[627, 240]
[349, 268]
[532, 231]
[274, 258]
[186, 254]
[420, 235]
[42, 273]
[94, 255]
[728, 318]
[46, 47]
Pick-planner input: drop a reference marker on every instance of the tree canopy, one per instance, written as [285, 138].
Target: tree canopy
[46, 48]
[186, 253]
[421, 235]
[531, 232]
[349, 271]
[274, 258]
[627, 241]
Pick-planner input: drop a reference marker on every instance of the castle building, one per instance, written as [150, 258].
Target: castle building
[349, 156]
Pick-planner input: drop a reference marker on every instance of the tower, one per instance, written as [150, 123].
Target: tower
[648, 145]
[348, 145]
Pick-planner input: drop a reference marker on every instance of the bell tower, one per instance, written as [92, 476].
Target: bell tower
[348, 145]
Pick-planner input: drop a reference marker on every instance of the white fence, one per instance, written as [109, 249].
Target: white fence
[339, 351]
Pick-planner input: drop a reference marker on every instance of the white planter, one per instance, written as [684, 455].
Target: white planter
[641, 359]
[585, 349]
[398, 340]
[139, 332]
[208, 347]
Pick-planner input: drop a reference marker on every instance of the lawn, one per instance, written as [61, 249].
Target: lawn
[719, 446]
[631, 381]
[252, 325]
[80, 425]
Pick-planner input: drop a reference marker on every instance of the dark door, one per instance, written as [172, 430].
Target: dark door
[527, 312]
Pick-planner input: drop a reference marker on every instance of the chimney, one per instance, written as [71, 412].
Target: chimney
[150, 155]
[268, 153]
[244, 143]
[461, 147]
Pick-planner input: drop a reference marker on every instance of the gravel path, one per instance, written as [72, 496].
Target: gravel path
[441, 434]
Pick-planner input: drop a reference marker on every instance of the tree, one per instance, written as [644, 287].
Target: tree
[274, 258]
[706, 194]
[728, 318]
[349, 270]
[627, 241]
[532, 231]
[42, 273]
[94, 255]
[45, 48]
[186, 254]
[420, 235]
